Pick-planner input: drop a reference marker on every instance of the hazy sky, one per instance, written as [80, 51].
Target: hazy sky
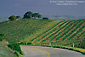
[19, 7]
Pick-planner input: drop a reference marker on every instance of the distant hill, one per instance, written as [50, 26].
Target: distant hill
[2, 19]
[65, 17]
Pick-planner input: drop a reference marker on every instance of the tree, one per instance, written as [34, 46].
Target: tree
[45, 18]
[1, 34]
[12, 18]
[28, 14]
[17, 17]
[39, 16]
[36, 15]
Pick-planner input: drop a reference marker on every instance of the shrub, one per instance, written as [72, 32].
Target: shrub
[15, 46]
[1, 37]
[12, 18]
[16, 54]
[45, 18]
[17, 17]
[80, 44]
[24, 43]
[83, 53]
[1, 34]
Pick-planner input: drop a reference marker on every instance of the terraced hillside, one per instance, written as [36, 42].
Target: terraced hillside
[59, 31]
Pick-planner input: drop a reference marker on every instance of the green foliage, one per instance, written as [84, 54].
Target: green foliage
[39, 16]
[25, 43]
[17, 17]
[36, 15]
[1, 34]
[1, 37]
[80, 44]
[28, 14]
[45, 18]
[12, 18]
[16, 54]
[15, 46]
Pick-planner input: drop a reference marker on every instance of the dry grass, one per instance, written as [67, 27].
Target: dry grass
[5, 51]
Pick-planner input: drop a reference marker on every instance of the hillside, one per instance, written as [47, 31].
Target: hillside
[59, 32]
[5, 51]
[2, 19]
[19, 29]
[44, 31]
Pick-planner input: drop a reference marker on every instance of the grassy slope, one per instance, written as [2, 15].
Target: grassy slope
[17, 30]
[5, 51]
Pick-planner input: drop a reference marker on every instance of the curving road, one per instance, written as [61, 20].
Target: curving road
[37, 51]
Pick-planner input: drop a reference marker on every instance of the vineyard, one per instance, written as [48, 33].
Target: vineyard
[43, 31]
[59, 31]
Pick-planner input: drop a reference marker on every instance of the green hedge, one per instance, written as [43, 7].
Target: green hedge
[16, 54]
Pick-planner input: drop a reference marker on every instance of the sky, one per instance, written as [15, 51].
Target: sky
[44, 7]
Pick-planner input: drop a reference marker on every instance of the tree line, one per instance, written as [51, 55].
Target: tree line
[28, 15]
